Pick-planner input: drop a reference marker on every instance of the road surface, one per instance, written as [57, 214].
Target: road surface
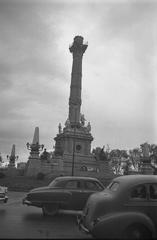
[20, 221]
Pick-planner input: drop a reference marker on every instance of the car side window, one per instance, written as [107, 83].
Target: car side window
[153, 191]
[91, 185]
[73, 184]
[139, 192]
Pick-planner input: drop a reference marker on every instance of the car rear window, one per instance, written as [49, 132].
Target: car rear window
[93, 185]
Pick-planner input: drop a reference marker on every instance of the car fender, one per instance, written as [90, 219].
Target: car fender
[113, 225]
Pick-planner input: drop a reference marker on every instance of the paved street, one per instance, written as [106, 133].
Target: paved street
[20, 221]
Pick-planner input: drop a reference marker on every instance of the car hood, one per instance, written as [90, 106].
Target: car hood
[39, 189]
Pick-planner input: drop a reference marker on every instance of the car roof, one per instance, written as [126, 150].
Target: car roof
[75, 178]
[135, 179]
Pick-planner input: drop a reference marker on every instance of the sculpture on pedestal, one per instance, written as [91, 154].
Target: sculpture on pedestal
[89, 127]
[146, 167]
[45, 156]
[82, 119]
[59, 128]
[153, 158]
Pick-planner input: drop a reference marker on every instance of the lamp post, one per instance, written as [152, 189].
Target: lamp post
[12, 159]
[35, 147]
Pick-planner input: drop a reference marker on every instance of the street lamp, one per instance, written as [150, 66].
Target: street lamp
[12, 159]
[35, 147]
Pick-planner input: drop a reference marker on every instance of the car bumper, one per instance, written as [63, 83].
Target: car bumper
[81, 225]
[4, 199]
[26, 202]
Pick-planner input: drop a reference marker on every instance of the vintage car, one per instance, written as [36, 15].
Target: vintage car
[3, 194]
[126, 209]
[63, 193]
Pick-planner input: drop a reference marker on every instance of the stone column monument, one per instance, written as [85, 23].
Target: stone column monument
[77, 49]
[73, 143]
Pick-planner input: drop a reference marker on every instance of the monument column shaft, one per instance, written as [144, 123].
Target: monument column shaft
[75, 89]
[77, 49]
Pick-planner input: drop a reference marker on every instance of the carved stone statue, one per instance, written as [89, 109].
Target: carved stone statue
[59, 128]
[44, 155]
[102, 154]
[67, 123]
[145, 149]
[88, 127]
[82, 119]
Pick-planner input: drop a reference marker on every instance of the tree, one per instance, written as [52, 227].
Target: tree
[135, 157]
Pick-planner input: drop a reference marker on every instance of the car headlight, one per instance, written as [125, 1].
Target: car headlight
[28, 196]
[95, 221]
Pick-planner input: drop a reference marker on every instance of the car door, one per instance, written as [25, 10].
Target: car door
[137, 199]
[89, 187]
[152, 202]
[74, 186]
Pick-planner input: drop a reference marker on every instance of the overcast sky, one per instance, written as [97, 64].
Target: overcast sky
[119, 78]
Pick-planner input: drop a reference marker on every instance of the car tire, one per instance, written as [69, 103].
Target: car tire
[137, 231]
[50, 209]
[5, 200]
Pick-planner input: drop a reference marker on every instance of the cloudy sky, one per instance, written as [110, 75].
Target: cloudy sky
[119, 70]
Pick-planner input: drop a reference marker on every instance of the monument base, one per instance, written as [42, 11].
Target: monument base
[146, 169]
[33, 168]
[11, 171]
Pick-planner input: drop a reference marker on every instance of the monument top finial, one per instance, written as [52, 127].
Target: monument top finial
[78, 39]
[78, 45]
[13, 150]
[36, 136]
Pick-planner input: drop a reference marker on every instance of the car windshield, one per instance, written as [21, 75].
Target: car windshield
[113, 186]
[57, 183]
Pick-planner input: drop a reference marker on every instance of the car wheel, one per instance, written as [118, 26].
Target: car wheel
[5, 200]
[137, 232]
[50, 209]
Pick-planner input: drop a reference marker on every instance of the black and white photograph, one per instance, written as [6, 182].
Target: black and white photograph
[78, 119]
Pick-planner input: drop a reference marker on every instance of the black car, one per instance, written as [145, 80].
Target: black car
[126, 209]
[63, 193]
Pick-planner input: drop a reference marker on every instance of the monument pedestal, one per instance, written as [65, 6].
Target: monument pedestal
[12, 171]
[34, 166]
[146, 166]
